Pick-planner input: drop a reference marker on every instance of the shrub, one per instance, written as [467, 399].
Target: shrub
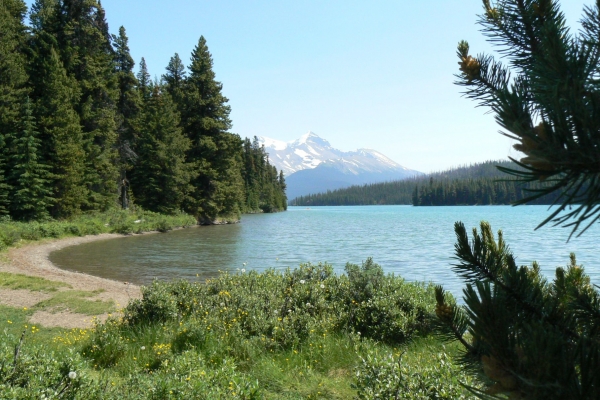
[158, 304]
[286, 308]
[386, 376]
[386, 307]
[163, 225]
[106, 344]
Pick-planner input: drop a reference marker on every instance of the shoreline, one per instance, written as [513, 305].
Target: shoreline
[32, 259]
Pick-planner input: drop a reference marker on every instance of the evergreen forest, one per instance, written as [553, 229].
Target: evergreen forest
[81, 130]
[477, 184]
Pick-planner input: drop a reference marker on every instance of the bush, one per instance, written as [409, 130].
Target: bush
[286, 308]
[384, 307]
[106, 345]
[386, 376]
[158, 304]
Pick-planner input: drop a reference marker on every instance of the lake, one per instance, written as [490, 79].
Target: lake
[414, 242]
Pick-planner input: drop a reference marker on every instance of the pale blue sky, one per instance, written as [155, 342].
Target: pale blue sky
[375, 74]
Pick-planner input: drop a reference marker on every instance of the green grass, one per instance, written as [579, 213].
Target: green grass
[14, 233]
[76, 301]
[35, 284]
[15, 320]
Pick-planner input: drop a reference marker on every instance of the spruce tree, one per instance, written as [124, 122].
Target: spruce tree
[129, 108]
[144, 81]
[85, 50]
[281, 191]
[161, 178]
[175, 78]
[533, 338]
[55, 94]
[13, 81]
[28, 177]
[128, 104]
[215, 153]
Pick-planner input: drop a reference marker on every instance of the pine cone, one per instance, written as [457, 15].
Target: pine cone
[443, 312]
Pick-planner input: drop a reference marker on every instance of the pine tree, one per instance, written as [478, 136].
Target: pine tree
[28, 177]
[161, 178]
[129, 108]
[533, 338]
[175, 79]
[128, 104]
[54, 94]
[216, 154]
[84, 46]
[281, 190]
[13, 81]
[144, 81]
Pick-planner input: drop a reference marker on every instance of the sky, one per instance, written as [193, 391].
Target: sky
[362, 74]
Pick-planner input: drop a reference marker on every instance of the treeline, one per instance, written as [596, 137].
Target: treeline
[81, 131]
[467, 185]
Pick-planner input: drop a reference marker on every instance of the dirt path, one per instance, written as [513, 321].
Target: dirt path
[32, 259]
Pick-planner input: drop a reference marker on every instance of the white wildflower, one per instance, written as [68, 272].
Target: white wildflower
[72, 375]
[322, 286]
[243, 270]
[143, 348]
[302, 281]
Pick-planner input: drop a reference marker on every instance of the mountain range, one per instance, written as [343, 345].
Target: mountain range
[312, 165]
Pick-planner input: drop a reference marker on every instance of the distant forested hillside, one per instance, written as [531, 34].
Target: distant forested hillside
[80, 131]
[468, 185]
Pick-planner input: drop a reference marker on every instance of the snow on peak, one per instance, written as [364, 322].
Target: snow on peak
[273, 143]
[310, 150]
[307, 136]
[380, 157]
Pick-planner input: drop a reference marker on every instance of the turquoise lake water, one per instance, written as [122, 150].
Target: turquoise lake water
[414, 242]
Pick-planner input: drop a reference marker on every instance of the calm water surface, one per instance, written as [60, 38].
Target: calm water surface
[414, 242]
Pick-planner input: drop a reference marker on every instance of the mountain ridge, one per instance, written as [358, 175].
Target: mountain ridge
[311, 165]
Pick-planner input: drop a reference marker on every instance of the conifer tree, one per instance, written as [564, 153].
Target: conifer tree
[281, 189]
[28, 177]
[175, 78]
[13, 81]
[85, 50]
[533, 338]
[161, 178]
[264, 188]
[144, 81]
[55, 94]
[129, 107]
[216, 154]
[13, 77]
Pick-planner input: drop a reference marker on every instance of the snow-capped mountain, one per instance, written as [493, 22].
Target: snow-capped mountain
[305, 153]
[311, 165]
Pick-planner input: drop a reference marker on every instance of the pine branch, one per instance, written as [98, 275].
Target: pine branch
[486, 261]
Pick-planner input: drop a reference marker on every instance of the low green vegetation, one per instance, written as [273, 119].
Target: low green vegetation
[33, 283]
[113, 221]
[77, 301]
[300, 334]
